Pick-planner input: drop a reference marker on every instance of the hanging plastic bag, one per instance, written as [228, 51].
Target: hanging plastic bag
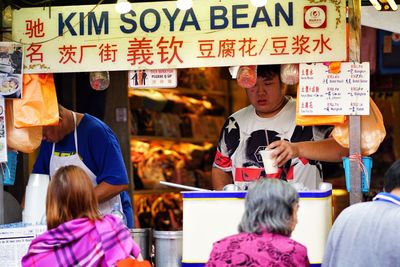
[99, 80]
[24, 139]
[247, 76]
[372, 131]
[8, 169]
[290, 73]
[39, 106]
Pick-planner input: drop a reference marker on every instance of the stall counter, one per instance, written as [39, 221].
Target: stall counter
[211, 216]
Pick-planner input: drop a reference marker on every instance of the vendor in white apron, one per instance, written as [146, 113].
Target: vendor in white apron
[57, 162]
[85, 141]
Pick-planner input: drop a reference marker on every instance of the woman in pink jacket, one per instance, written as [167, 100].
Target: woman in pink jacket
[264, 233]
[77, 234]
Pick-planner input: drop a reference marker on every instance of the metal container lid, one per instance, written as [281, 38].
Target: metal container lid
[167, 234]
[139, 230]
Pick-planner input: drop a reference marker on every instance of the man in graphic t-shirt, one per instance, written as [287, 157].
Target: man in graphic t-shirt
[270, 122]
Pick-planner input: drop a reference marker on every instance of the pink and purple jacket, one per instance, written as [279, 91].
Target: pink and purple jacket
[253, 250]
[82, 242]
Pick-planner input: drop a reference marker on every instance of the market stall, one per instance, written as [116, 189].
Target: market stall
[170, 135]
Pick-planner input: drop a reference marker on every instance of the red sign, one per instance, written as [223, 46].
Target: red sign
[315, 17]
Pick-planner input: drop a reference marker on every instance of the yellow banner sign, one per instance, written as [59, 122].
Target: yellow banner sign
[158, 35]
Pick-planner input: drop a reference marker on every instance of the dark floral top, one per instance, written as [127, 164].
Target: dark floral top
[252, 250]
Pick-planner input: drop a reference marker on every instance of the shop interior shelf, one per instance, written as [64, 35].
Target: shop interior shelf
[157, 191]
[174, 139]
[182, 90]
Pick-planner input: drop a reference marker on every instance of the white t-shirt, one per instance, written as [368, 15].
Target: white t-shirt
[245, 134]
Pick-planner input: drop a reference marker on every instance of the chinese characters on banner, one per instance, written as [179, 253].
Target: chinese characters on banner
[158, 35]
[324, 93]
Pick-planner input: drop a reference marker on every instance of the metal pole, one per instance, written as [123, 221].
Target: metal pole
[354, 122]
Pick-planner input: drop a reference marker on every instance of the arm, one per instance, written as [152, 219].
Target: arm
[105, 191]
[221, 174]
[112, 178]
[324, 150]
[220, 178]
[42, 162]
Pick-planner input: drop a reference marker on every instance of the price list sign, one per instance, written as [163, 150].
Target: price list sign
[342, 92]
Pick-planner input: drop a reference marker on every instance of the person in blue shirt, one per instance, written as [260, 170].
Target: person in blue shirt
[87, 142]
[367, 233]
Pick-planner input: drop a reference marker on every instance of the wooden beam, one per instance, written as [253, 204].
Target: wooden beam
[117, 116]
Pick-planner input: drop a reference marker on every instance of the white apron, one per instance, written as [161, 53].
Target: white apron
[57, 162]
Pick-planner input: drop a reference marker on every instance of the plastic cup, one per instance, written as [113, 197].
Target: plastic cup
[231, 187]
[269, 161]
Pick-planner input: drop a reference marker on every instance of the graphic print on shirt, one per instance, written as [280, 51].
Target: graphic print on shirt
[248, 162]
[252, 167]
[65, 154]
[229, 141]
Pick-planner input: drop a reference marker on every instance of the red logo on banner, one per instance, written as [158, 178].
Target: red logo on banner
[315, 17]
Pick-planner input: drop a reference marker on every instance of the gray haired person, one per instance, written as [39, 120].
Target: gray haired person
[271, 205]
[264, 232]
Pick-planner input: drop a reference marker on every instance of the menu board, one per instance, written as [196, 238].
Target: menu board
[339, 91]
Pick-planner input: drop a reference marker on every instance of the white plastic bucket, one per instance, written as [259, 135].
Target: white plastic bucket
[35, 199]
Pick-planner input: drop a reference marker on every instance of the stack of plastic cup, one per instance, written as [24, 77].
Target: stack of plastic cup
[35, 199]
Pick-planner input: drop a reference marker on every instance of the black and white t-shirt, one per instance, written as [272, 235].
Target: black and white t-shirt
[245, 134]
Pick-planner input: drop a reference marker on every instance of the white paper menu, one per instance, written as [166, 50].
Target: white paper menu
[14, 243]
[325, 93]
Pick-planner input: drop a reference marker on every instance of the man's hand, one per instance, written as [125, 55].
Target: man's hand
[324, 150]
[105, 191]
[284, 151]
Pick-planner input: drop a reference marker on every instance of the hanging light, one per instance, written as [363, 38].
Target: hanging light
[258, 3]
[7, 16]
[184, 4]
[123, 6]
[384, 5]
[392, 4]
[376, 4]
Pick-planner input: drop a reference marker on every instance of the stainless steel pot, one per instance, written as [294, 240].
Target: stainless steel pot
[168, 248]
[142, 237]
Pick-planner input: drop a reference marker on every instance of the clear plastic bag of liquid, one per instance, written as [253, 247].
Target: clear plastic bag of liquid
[99, 80]
[247, 76]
